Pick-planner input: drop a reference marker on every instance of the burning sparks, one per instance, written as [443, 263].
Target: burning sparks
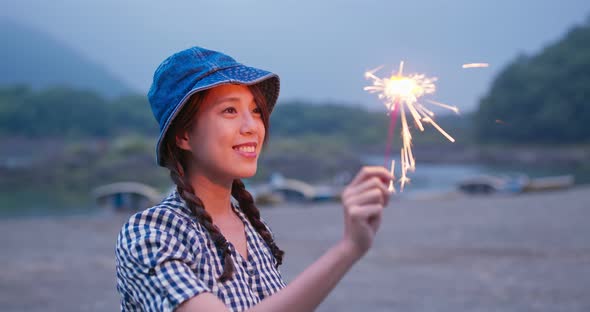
[476, 65]
[400, 93]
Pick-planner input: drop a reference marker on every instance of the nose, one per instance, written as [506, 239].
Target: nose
[248, 123]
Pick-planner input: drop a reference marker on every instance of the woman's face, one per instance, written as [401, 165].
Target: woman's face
[227, 135]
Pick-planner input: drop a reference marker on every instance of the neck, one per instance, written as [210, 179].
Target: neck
[215, 195]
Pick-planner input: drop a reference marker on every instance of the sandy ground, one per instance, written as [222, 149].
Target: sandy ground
[508, 253]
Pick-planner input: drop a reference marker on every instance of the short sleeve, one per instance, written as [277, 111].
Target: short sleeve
[156, 261]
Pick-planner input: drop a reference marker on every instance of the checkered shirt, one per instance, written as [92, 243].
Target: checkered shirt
[164, 257]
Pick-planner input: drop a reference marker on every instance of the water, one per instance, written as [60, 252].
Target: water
[428, 179]
[44, 202]
[440, 178]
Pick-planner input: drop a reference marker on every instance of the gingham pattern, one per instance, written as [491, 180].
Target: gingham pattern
[165, 257]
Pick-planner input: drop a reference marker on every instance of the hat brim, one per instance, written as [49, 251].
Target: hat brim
[268, 82]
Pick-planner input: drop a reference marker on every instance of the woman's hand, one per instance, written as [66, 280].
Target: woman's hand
[363, 201]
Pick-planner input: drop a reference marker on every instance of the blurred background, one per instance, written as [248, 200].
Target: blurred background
[492, 222]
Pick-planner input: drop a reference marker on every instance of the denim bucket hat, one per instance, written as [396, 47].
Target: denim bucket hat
[196, 69]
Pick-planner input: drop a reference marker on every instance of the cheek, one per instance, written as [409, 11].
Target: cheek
[207, 142]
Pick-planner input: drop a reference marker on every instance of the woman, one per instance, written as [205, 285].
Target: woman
[205, 247]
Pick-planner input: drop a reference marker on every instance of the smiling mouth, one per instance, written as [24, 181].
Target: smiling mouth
[246, 149]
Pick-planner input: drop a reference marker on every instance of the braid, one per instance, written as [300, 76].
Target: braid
[246, 202]
[194, 203]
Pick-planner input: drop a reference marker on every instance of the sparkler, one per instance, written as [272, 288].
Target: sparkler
[400, 94]
[391, 188]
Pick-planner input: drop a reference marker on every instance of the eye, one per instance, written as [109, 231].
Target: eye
[257, 110]
[230, 110]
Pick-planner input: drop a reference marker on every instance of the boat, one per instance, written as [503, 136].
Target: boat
[550, 183]
[281, 189]
[126, 196]
[487, 184]
[514, 184]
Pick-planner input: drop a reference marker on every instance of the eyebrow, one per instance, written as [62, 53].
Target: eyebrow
[227, 99]
[230, 99]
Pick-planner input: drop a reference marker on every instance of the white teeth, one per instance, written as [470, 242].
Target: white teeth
[247, 149]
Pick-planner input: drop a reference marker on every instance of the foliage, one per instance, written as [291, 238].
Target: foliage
[71, 113]
[355, 125]
[541, 98]
[126, 123]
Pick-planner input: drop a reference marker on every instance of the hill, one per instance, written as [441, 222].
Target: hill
[542, 98]
[33, 58]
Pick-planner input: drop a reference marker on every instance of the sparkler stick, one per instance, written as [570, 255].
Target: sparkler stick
[393, 118]
[391, 188]
[400, 92]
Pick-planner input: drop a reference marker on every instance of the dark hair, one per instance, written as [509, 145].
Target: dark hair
[176, 160]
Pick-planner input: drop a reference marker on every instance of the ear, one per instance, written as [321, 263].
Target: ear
[183, 140]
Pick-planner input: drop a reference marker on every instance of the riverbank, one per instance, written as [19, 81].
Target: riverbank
[79, 166]
[504, 253]
[502, 154]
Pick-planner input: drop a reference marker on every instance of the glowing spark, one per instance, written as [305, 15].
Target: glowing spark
[400, 93]
[443, 105]
[476, 65]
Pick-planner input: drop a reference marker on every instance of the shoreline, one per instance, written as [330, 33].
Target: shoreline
[99, 161]
[456, 153]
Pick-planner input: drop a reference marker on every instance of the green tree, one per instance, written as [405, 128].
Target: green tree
[72, 113]
[541, 98]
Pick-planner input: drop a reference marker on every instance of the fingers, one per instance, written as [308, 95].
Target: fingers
[370, 191]
[370, 171]
[371, 196]
[367, 180]
[373, 182]
[366, 196]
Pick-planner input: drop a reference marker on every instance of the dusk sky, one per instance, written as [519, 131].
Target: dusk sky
[321, 49]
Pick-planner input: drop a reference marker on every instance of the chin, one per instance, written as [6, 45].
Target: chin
[246, 173]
